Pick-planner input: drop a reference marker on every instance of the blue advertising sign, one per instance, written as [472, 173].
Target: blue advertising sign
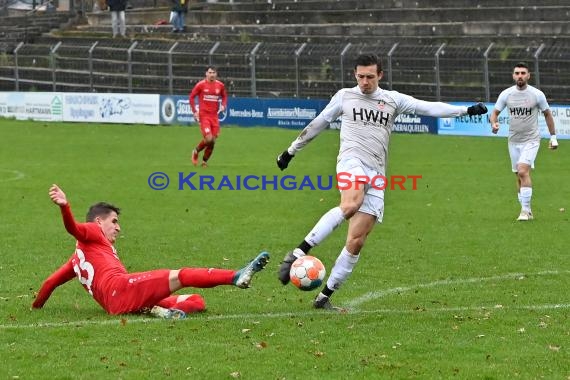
[481, 126]
[478, 125]
[415, 124]
[247, 112]
[175, 110]
[284, 113]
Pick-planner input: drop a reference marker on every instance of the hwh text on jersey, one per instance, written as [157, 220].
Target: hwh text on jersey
[375, 116]
[519, 111]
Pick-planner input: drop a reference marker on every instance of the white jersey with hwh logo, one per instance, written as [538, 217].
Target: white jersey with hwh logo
[522, 109]
[367, 120]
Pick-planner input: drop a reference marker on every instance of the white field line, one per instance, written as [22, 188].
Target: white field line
[382, 293]
[351, 307]
[256, 317]
[16, 175]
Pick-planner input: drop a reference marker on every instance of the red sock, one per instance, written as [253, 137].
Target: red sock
[206, 277]
[193, 304]
[201, 146]
[208, 152]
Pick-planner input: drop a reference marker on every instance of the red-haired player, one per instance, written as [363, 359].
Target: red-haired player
[98, 267]
[212, 99]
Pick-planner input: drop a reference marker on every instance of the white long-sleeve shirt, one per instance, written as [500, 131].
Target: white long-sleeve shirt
[367, 120]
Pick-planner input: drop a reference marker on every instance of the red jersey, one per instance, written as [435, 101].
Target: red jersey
[95, 260]
[210, 94]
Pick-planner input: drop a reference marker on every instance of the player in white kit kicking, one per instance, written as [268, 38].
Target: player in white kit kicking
[524, 102]
[367, 119]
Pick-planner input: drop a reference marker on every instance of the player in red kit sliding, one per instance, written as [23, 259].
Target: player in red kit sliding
[212, 99]
[98, 267]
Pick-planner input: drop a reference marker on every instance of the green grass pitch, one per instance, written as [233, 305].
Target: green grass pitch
[449, 286]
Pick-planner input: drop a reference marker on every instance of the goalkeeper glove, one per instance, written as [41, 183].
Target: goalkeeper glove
[477, 109]
[283, 160]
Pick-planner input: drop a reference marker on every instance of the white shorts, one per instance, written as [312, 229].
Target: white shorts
[523, 153]
[373, 202]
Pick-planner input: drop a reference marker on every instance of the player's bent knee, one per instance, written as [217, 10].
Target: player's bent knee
[523, 173]
[349, 209]
[195, 303]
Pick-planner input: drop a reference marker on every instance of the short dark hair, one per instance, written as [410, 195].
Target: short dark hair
[522, 64]
[213, 68]
[368, 60]
[101, 209]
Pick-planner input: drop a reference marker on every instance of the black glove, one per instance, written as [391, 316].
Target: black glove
[283, 160]
[477, 109]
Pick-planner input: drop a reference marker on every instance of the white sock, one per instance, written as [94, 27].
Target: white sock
[297, 252]
[519, 197]
[526, 195]
[328, 222]
[342, 269]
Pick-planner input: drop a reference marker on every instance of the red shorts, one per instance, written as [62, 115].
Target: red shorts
[210, 125]
[132, 292]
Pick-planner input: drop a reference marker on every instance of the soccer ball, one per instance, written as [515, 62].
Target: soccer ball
[307, 273]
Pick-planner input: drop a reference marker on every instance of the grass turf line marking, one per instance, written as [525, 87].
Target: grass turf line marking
[382, 293]
[252, 317]
[351, 306]
[18, 175]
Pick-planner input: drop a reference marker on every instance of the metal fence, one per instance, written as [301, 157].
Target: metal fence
[444, 72]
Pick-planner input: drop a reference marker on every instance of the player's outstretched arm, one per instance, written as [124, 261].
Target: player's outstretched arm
[64, 274]
[57, 195]
[283, 159]
[440, 109]
[311, 131]
[477, 109]
[78, 230]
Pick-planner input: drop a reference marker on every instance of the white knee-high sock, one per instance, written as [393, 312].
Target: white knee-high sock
[526, 195]
[328, 222]
[342, 269]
